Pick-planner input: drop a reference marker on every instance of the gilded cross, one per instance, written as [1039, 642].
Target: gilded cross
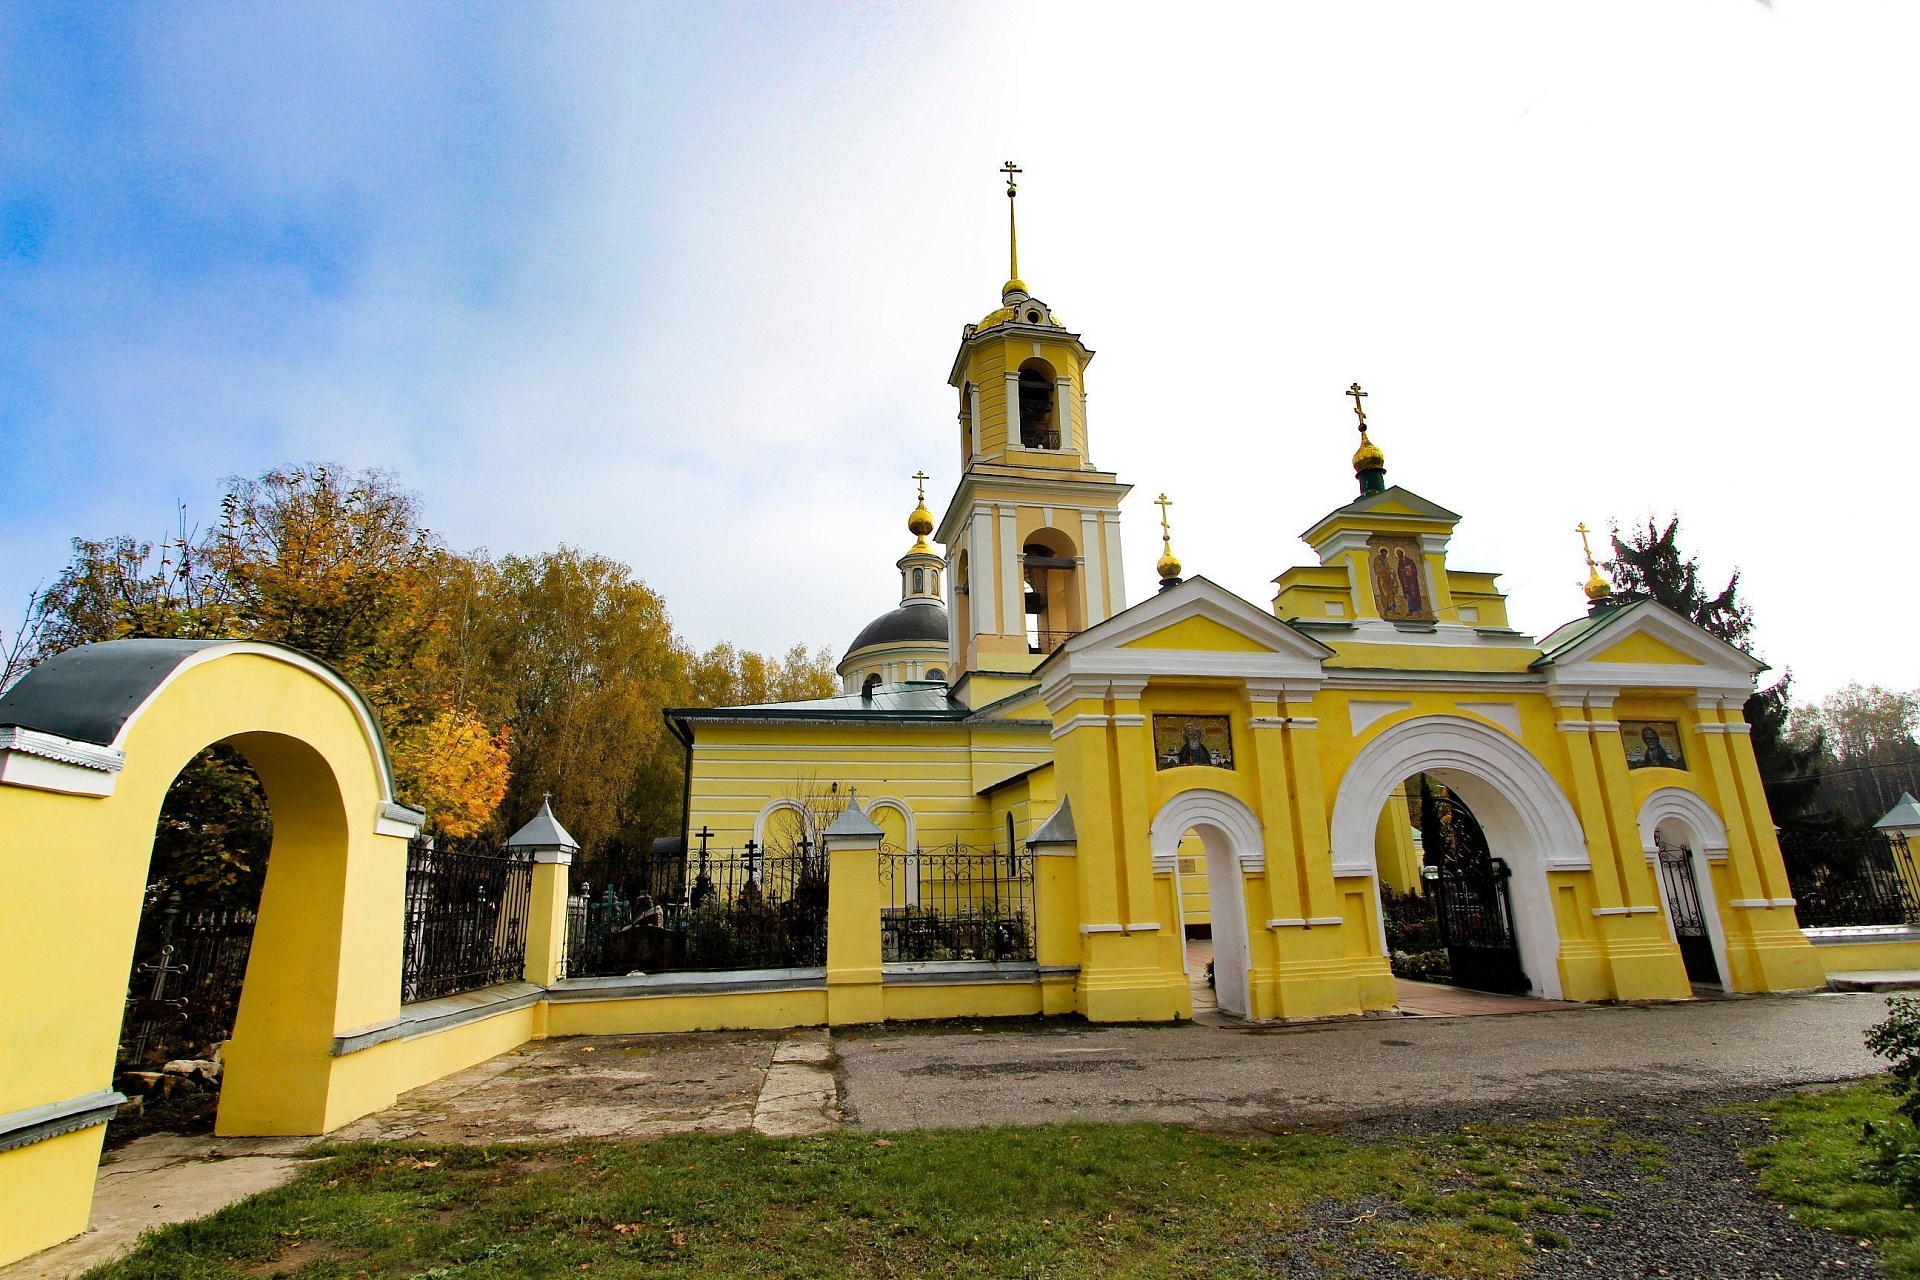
[1583, 531]
[1358, 410]
[922, 477]
[1163, 502]
[1010, 169]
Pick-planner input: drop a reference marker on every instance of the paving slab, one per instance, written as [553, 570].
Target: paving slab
[1875, 980]
[587, 1087]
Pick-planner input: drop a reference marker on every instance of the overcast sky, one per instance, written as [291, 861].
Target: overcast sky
[683, 284]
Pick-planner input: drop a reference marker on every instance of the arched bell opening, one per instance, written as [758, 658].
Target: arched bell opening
[1039, 415]
[1050, 589]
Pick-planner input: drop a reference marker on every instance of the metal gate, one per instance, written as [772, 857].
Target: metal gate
[1471, 899]
[1683, 908]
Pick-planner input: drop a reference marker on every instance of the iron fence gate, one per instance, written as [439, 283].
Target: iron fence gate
[1843, 878]
[1689, 919]
[956, 902]
[715, 910]
[1471, 899]
[189, 964]
[466, 923]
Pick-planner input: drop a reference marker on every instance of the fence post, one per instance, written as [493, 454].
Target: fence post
[1056, 908]
[552, 849]
[853, 918]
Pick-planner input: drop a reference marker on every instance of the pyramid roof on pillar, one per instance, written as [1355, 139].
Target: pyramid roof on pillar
[1645, 645]
[1904, 814]
[1392, 510]
[1197, 628]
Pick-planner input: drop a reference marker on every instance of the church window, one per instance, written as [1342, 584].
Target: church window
[1038, 427]
[935, 673]
[1012, 848]
[936, 582]
[919, 581]
[1051, 588]
[871, 683]
[1033, 317]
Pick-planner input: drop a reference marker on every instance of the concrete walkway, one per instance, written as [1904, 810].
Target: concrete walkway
[909, 1077]
[905, 1076]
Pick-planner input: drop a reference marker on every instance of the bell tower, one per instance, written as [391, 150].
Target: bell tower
[1033, 530]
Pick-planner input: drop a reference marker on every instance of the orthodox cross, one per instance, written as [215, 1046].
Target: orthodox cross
[1163, 502]
[1013, 231]
[705, 833]
[922, 478]
[1358, 411]
[1583, 531]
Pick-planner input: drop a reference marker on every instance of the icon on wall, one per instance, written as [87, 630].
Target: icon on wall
[1652, 744]
[1193, 740]
[1399, 574]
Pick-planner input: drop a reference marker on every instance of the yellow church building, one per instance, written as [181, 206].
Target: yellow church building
[1195, 758]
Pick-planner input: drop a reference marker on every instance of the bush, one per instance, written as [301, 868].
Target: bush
[1897, 1144]
[1421, 966]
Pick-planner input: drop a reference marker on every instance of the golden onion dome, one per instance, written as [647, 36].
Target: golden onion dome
[1597, 587]
[1368, 457]
[920, 524]
[1169, 564]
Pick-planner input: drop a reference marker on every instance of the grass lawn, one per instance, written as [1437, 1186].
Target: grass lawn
[1817, 1165]
[1066, 1201]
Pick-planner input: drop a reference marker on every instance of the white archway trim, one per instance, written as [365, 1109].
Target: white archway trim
[1202, 807]
[1453, 742]
[906, 814]
[773, 807]
[1706, 832]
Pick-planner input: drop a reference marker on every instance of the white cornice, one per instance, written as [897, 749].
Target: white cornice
[51, 746]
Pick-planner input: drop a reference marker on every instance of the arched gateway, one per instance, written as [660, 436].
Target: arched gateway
[1528, 820]
[89, 743]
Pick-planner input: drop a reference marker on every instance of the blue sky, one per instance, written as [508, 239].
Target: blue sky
[682, 284]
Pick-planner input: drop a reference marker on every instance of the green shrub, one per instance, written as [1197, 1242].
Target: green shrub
[1896, 1144]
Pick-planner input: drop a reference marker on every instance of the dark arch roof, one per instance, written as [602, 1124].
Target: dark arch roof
[87, 694]
[919, 620]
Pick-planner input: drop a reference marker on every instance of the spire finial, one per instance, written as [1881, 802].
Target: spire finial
[1369, 463]
[1014, 282]
[1599, 591]
[1169, 566]
[920, 523]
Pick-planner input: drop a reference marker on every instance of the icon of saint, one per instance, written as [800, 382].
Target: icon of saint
[1409, 575]
[1192, 749]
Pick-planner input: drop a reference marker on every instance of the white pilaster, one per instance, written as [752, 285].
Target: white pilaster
[1094, 607]
[1116, 575]
[1013, 620]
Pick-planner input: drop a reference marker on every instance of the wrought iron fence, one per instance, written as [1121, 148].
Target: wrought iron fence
[956, 902]
[711, 910]
[188, 968]
[1841, 878]
[1412, 925]
[466, 920]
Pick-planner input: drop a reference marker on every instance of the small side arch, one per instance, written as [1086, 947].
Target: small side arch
[1705, 831]
[1235, 844]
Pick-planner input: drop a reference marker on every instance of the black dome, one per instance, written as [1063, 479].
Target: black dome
[920, 620]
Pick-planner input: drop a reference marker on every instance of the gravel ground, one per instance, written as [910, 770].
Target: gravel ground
[1698, 1214]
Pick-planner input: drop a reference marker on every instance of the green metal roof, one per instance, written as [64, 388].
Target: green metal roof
[909, 700]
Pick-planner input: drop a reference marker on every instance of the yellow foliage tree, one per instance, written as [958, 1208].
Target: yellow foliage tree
[455, 768]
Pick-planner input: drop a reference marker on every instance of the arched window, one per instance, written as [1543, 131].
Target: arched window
[868, 685]
[919, 581]
[1039, 428]
[935, 673]
[936, 582]
[1051, 591]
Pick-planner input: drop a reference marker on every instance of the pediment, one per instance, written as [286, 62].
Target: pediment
[1196, 628]
[1646, 645]
[1638, 646]
[1199, 634]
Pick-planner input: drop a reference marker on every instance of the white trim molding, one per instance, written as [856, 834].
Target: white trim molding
[49, 762]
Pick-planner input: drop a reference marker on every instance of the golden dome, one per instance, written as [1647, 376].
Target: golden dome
[1015, 285]
[1368, 457]
[1598, 587]
[920, 524]
[1169, 564]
